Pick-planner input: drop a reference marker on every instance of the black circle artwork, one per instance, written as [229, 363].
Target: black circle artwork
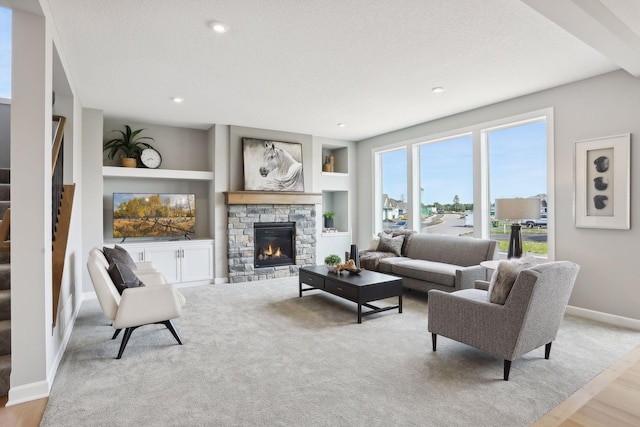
[602, 163]
[601, 183]
[600, 202]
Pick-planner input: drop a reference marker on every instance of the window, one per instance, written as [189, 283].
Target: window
[446, 186]
[518, 168]
[393, 199]
[457, 176]
[5, 53]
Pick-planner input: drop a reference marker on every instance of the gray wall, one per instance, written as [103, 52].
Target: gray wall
[5, 135]
[597, 107]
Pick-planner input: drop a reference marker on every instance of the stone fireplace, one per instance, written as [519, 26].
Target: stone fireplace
[280, 220]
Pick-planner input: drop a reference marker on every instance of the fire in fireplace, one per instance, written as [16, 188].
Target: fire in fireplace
[274, 244]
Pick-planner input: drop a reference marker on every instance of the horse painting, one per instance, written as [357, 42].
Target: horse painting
[276, 166]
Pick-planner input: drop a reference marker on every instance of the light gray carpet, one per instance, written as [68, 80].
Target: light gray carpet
[256, 354]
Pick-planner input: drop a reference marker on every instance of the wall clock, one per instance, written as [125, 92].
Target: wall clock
[150, 158]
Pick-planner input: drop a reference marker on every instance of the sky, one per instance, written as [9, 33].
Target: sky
[5, 53]
[517, 164]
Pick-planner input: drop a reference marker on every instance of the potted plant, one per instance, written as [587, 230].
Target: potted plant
[328, 219]
[332, 262]
[130, 143]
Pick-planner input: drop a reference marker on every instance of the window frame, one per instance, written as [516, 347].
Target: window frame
[481, 201]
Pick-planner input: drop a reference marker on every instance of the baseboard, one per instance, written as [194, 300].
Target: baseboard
[599, 316]
[28, 392]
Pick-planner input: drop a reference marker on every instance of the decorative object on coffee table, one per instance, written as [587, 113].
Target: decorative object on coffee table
[332, 261]
[354, 254]
[129, 144]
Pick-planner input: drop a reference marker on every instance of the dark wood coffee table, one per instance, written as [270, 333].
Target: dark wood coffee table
[362, 288]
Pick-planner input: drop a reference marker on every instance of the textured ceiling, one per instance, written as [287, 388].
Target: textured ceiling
[304, 66]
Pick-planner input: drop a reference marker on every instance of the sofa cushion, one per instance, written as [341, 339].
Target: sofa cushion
[505, 276]
[386, 264]
[123, 277]
[390, 244]
[119, 254]
[462, 251]
[429, 271]
[369, 260]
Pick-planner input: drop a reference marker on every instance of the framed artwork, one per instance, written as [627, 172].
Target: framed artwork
[272, 165]
[602, 182]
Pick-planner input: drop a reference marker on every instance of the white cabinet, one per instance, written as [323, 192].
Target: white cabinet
[186, 261]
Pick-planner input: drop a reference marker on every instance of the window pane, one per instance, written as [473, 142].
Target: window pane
[518, 168]
[394, 188]
[5, 53]
[446, 187]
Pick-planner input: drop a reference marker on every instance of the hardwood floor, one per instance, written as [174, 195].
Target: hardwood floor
[610, 399]
[27, 414]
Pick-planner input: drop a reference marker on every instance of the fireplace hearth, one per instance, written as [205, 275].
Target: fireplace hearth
[274, 244]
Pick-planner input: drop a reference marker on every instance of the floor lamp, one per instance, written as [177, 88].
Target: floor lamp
[516, 210]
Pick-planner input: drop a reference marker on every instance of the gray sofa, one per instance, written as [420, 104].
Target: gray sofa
[434, 261]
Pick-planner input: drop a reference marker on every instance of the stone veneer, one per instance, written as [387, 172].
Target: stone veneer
[240, 247]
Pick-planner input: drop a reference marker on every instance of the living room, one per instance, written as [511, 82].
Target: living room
[600, 105]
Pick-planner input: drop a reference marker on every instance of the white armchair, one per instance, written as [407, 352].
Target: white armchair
[156, 302]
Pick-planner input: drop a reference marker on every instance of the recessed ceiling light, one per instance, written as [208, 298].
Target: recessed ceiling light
[341, 125]
[177, 99]
[437, 89]
[219, 27]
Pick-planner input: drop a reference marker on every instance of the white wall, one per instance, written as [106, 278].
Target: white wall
[596, 107]
[5, 135]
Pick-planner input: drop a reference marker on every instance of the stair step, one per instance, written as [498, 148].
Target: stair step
[5, 337]
[5, 257]
[4, 205]
[5, 304]
[5, 374]
[5, 192]
[5, 175]
[5, 276]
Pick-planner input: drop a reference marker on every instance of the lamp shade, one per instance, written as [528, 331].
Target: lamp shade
[518, 208]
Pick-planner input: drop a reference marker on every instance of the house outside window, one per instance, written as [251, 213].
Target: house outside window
[5, 53]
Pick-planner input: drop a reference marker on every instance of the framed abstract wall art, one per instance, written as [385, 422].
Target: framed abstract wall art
[272, 165]
[602, 182]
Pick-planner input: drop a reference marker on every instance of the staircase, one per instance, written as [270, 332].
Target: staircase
[5, 289]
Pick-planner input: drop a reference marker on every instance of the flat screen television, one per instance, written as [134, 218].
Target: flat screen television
[153, 215]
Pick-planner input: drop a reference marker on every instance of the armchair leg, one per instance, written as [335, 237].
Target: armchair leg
[115, 335]
[507, 368]
[169, 324]
[434, 339]
[125, 340]
[547, 350]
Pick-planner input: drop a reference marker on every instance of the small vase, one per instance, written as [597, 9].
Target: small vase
[328, 223]
[355, 255]
[128, 162]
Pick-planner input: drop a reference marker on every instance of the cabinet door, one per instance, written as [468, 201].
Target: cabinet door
[197, 262]
[166, 259]
[136, 252]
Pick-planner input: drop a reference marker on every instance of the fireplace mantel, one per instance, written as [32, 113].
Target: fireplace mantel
[272, 198]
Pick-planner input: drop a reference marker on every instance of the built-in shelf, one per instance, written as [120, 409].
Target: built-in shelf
[334, 174]
[120, 172]
[336, 234]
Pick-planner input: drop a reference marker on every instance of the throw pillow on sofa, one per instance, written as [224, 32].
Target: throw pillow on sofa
[119, 254]
[390, 244]
[505, 276]
[123, 277]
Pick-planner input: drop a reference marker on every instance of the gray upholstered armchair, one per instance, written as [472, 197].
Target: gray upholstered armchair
[529, 318]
